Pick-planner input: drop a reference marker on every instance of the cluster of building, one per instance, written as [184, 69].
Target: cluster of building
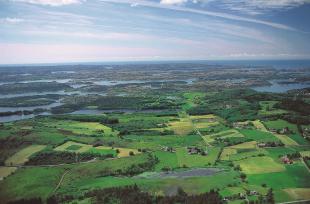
[196, 150]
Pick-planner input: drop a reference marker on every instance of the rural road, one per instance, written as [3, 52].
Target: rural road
[60, 181]
[296, 201]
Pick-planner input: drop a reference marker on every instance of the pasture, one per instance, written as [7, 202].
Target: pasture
[30, 182]
[267, 108]
[22, 156]
[258, 165]
[182, 127]
[259, 136]
[84, 128]
[298, 193]
[286, 140]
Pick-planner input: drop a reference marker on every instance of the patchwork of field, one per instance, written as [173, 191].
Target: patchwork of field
[182, 127]
[227, 152]
[222, 135]
[267, 108]
[147, 147]
[22, 156]
[84, 128]
[74, 147]
[259, 125]
[82, 148]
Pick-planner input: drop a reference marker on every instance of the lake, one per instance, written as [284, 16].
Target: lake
[276, 87]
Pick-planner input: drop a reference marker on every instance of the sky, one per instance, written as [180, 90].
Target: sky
[56, 31]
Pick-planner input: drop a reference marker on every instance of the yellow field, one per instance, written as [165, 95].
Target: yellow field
[305, 153]
[285, 139]
[182, 127]
[227, 152]
[258, 165]
[259, 125]
[6, 171]
[209, 116]
[63, 147]
[123, 152]
[245, 145]
[22, 156]
[298, 193]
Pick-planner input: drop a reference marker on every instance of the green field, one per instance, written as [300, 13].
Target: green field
[21, 184]
[184, 159]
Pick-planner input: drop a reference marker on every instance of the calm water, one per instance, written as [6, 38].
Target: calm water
[112, 83]
[280, 88]
[19, 117]
[30, 108]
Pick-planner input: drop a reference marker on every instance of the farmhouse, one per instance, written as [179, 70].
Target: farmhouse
[273, 130]
[261, 145]
[193, 150]
[168, 149]
[252, 192]
[285, 131]
[196, 150]
[286, 160]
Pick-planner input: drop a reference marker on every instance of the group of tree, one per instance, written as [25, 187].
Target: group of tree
[54, 157]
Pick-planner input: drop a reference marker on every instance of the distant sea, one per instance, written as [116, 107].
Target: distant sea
[278, 64]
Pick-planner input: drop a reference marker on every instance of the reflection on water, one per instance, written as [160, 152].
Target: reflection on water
[275, 87]
[41, 80]
[42, 93]
[87, 112]
[112, 83]
[19, 117]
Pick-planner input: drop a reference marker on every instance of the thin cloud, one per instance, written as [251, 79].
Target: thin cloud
[11, 20]
[202, 12]
[173, 2]
[50, 2]
[254, 7]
